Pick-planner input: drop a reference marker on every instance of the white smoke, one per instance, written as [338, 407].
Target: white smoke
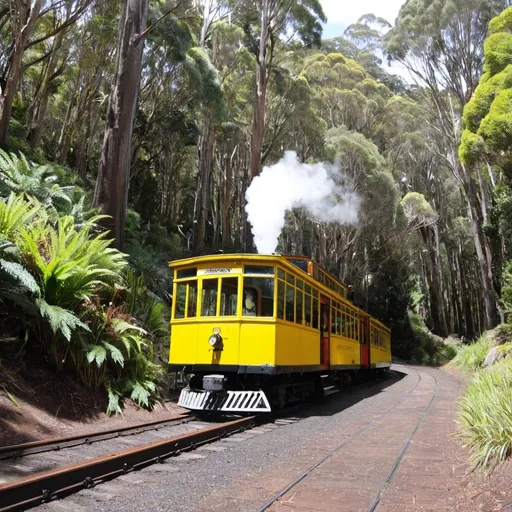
[319, 188]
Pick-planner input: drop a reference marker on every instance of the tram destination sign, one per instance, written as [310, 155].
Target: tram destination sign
[219, 271]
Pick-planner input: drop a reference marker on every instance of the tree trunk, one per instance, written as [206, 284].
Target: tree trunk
[24, 18]
[65, 132]
[258, 125]
[111, 190]
[40, 103]
[483, 251]
[435, 278]
[226, 202]
[205, 157]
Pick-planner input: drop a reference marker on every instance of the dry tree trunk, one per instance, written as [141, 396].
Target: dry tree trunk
[111, 190]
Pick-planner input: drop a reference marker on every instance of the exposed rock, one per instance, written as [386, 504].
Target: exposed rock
[493, 356]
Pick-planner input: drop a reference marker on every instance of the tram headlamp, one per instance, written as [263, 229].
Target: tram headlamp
[215, 340]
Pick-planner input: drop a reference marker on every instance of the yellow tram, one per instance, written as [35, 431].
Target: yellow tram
[258, 331]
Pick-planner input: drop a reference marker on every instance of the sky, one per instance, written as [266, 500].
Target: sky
[341, 13]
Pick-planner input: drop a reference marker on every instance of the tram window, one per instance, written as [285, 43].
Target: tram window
[290, 279]
[338, 323]
[290, 311]
[333, 321]
[209, 297]
[260, 291]
[308, 289]
[298, 306]
[356, 330]
[315, 313]
[307, 308]
[315, 292]
[300, 284]
[280, 300]
[184, 274]
[181, 294]
[280, 273]
[259, 269]
[346, 326]
[228, 296]
[192, 299]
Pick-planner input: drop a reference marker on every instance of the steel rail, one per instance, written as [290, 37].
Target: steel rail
[401, 455]
[57, 443]
[56, 483]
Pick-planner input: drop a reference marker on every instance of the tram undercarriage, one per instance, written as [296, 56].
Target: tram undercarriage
[233, 393]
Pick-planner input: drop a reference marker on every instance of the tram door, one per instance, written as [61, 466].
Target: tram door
[325, 323]
[365, 341]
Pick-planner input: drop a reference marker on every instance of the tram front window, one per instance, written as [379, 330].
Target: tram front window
[258, 297]
[209, 297]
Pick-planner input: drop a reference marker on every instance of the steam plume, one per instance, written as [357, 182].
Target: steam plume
[319, 188]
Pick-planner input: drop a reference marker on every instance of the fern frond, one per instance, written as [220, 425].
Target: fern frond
[115, 354]
[114, 406]
[17, 296]
[15, 213]
[60, 319]
[20, 274]
[140, 394]
[97, 353]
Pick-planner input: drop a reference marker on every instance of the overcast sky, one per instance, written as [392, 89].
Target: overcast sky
[341, 13]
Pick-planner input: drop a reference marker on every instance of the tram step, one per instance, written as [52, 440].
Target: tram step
[330, 390]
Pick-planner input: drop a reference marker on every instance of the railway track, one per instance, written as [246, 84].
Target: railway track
[359, 435]
[50, 477]
[56, 468]
[44, 471]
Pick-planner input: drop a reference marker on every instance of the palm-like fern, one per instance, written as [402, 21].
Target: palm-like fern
[58, 272]
[16, 212]
[71, 265]
[119, 352]
[17, 285]
[20, 176]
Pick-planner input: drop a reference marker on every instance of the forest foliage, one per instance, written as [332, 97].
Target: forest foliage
[160, 113]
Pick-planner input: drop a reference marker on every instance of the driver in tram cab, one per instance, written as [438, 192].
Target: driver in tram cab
[249, 303]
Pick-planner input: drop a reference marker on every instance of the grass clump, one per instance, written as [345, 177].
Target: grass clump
[428, 349]
[486, 415]
[470, 358]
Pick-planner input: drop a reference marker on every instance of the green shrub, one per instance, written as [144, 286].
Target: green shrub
[428, 349]
[71, 291]
[486, 415]
[20, 176]
[471, 357]
[502, 334]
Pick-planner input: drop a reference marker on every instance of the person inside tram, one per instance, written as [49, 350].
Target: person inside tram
[249, 302]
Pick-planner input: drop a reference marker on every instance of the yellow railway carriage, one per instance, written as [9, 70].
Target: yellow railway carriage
[258, 331]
